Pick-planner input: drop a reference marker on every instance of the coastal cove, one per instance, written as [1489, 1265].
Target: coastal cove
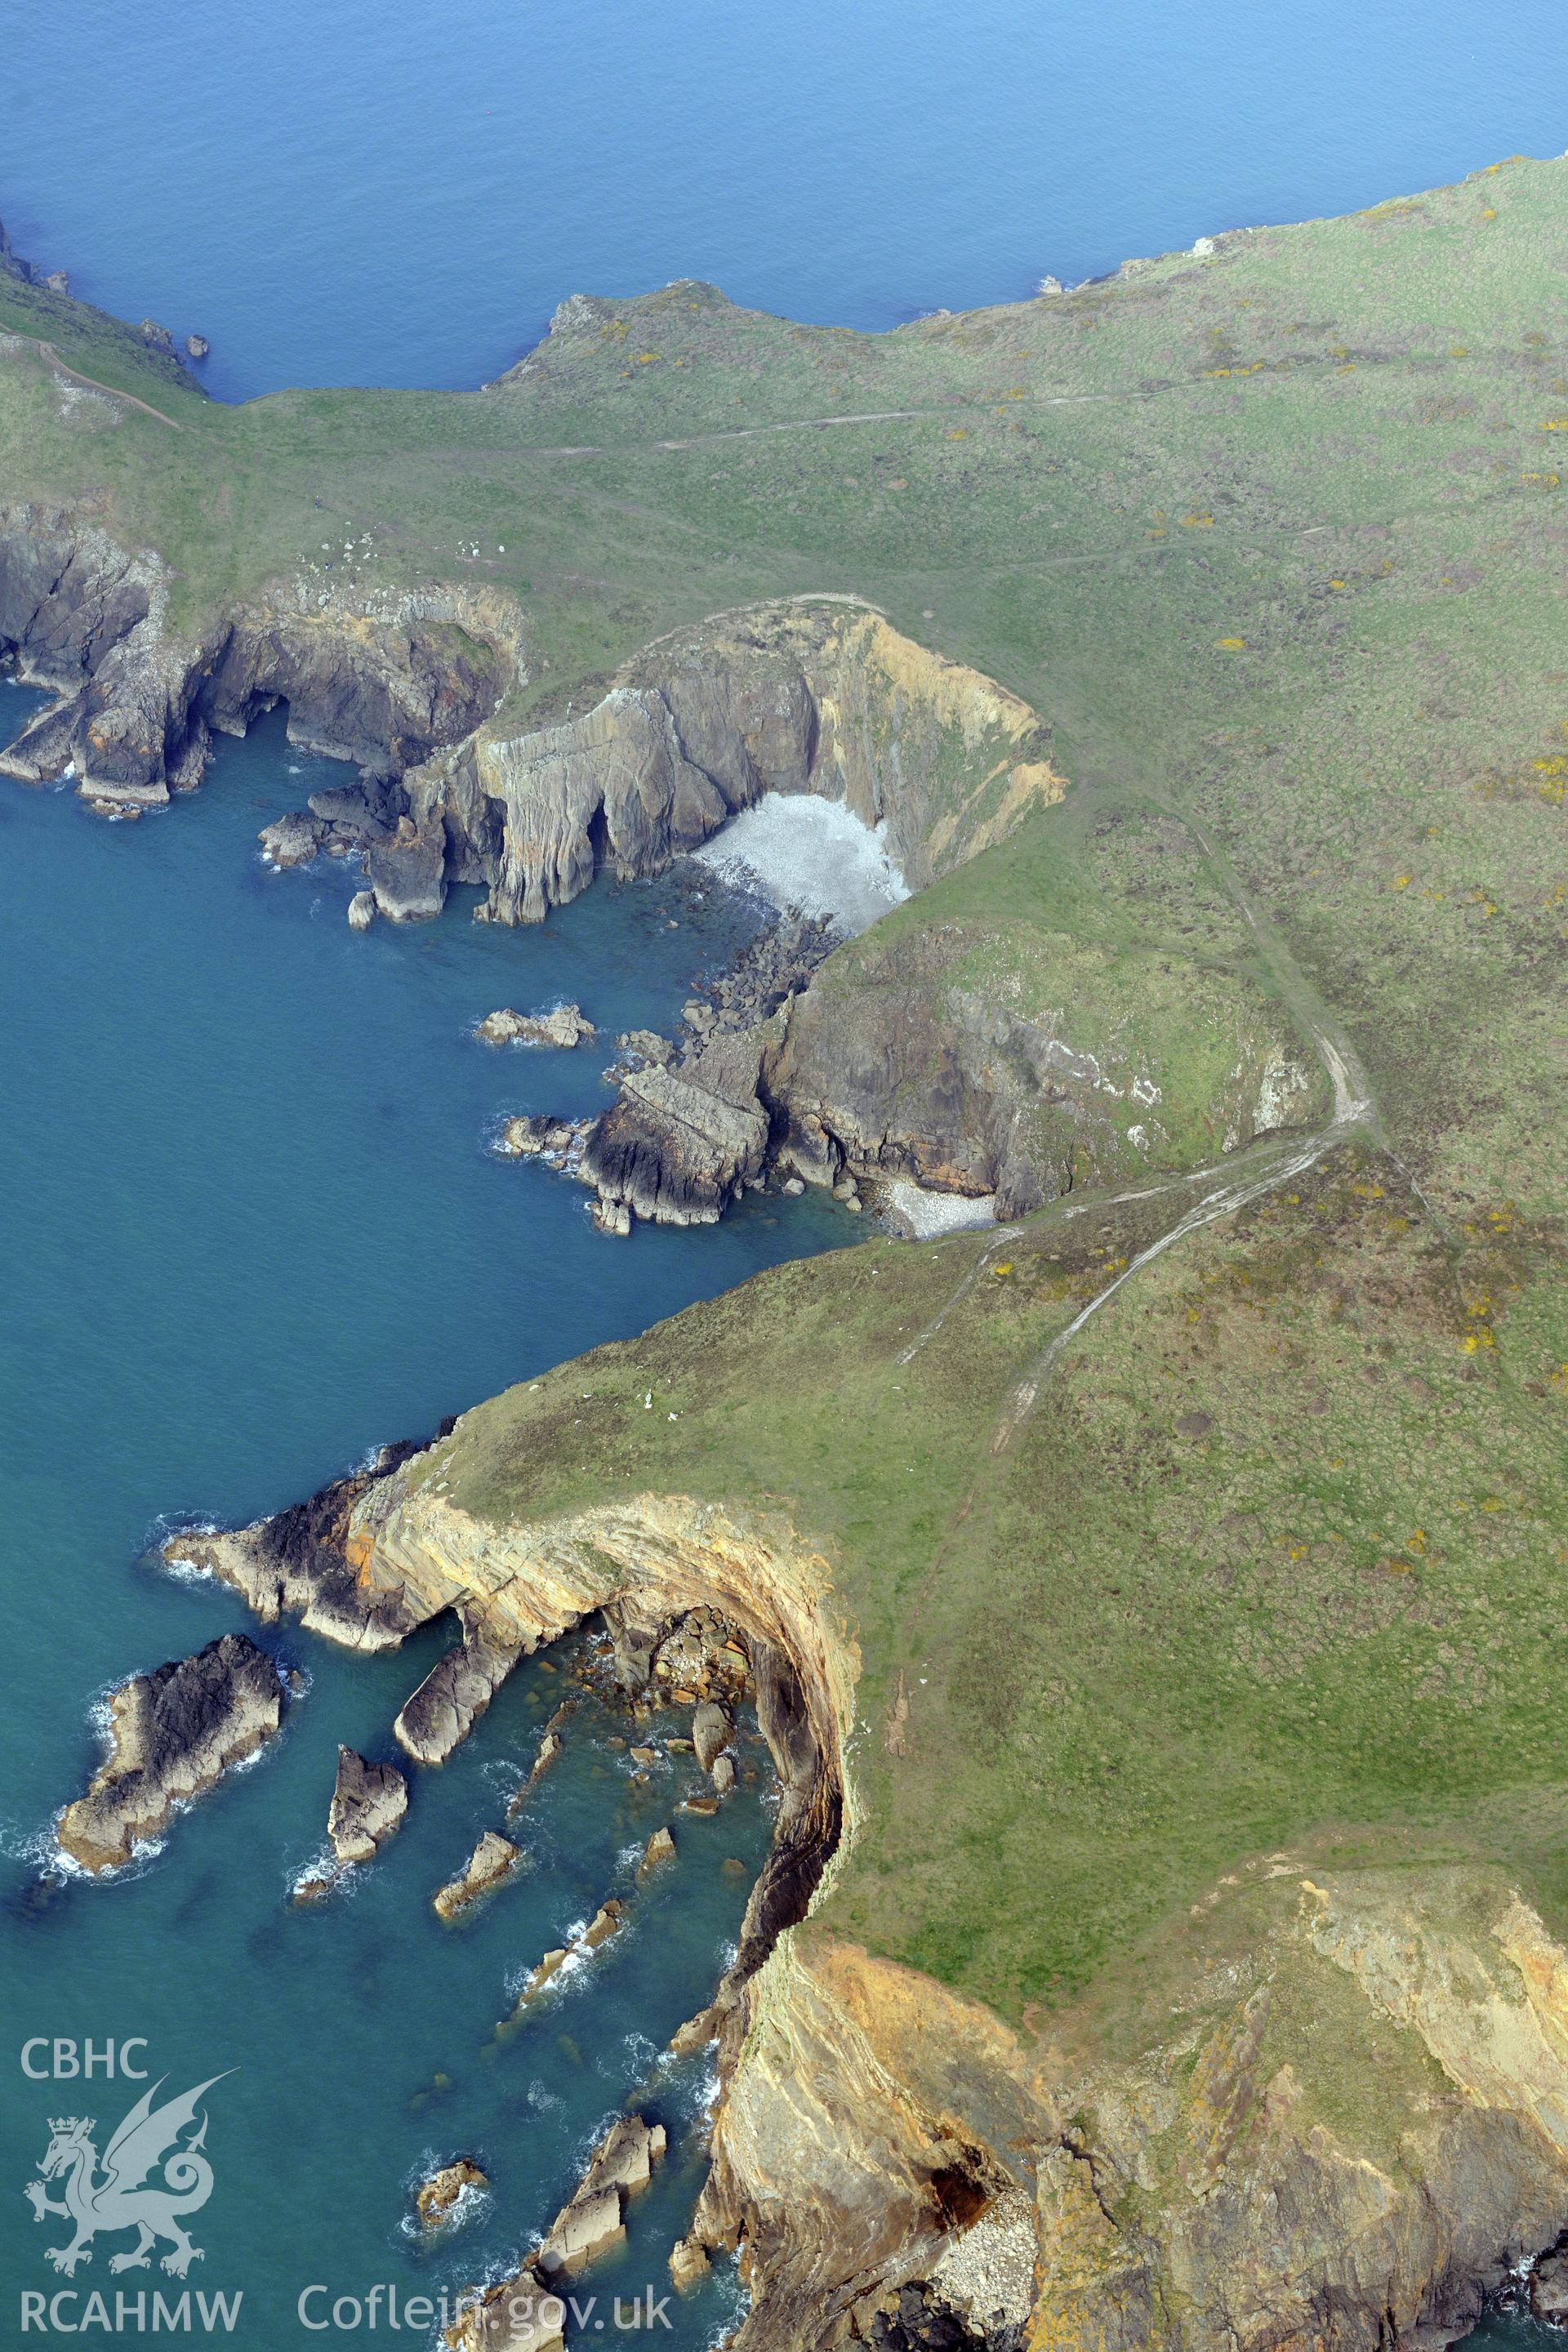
[255, 1228]
[1129, 1867]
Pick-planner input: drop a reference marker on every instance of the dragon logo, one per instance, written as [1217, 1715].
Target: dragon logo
[147, 2140]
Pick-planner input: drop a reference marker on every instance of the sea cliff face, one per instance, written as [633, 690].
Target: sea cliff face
[1343, 2120]
[927, 1051]
[815, 696]
[140, 694]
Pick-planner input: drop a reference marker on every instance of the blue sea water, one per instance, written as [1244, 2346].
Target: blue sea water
[249, 1225]
[359, 193]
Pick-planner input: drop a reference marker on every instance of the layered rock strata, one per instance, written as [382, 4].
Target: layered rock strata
[140, 697]
[493, 1859]
[894, 2164]
[173, 1734]
[817, 696]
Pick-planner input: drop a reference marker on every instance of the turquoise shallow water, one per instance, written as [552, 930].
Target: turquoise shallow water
[249, 1228]
[358, 193]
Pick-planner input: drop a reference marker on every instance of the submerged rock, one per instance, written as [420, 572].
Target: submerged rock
[564, 1027]
[491, 1861]
[368, 1805]
[434, 2198]
[173, 1734]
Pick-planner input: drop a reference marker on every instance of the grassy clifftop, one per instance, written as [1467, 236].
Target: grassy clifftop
[1275, 534]
[1275, 539]
[1277, 1556]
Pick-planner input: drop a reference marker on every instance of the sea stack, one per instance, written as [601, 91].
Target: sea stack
[368, 1805]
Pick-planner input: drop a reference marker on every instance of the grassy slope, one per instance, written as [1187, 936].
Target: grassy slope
[1134, 1654]
[1274, 540]
[1332, 443]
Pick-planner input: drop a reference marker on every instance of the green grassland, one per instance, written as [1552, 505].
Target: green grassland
[1276, 542]
[1274, 537]
[1279, 1556]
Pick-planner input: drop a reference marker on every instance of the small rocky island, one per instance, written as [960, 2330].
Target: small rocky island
[565, 1026]
[493, 1859]
[436, 2200]
[369, 1802]
[173, 1734]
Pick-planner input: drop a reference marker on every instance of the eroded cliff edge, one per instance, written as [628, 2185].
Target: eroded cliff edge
[969, 1043]
[1337, 2113]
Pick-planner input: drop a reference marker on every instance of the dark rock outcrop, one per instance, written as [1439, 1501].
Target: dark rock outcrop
[453, 1696]
[140, 700]
[369, 1802]
[679, 1144]
[296, 1563]
[407, 870]
[173, 1734]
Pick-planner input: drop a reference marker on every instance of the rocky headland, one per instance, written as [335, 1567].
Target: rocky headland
[896, 2165]
[913, 1054]
[172, 1735]
[1161, 1949]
